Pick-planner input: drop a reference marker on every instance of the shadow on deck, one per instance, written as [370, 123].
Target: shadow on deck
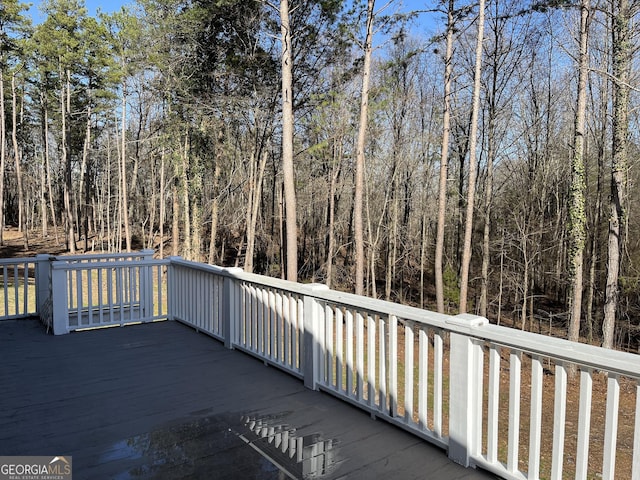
[162, 401]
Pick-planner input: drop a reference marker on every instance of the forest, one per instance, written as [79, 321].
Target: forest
[462, 157]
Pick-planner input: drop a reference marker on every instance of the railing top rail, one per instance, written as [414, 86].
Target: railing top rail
[384, 307]
[368, 304]
[17, 261]
[590, 356]
[98, 256]
[293, 287]
[59, 264]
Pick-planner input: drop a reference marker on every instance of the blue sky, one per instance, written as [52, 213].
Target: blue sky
[423, 25]
[104, 5]
[107, 6]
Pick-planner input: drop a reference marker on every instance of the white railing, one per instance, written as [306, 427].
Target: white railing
[602, 423]
[258, 317]
[18, 287]
[521, 405]
[454, 381]
[99, 292]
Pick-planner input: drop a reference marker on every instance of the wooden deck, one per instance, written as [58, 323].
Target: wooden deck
[163, 401]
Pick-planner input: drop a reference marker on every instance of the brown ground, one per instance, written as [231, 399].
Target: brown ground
[13, 246]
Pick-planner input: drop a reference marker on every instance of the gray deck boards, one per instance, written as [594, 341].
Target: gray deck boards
[163, 401]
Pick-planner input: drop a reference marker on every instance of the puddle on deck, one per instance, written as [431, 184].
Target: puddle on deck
[225, 446]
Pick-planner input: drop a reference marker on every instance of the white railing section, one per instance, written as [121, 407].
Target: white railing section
[561, 401]
[521, 405]
[270, 325]
[454, 381]
[115, 292]
[18, 285]
[387, 359]
[264, 320]
[196, 296]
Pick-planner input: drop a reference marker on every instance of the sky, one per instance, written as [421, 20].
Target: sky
[425, 25]
[106, 6]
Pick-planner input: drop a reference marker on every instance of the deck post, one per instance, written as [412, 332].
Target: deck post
[172, 288]
[147, 253]
[465, 391]
[59, 297]
[312, 354]
[230, 307]
[146, 289]
[43, 280]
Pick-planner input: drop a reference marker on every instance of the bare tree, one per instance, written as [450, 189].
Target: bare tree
[3, 153]
[621, 64]
[287, 145]
[123, 163]
[473, 139]
[358, 223]
[505, 48]
[22, 220]
[47, 162]
[577, 214]
[65, 110]
[444, 158]
[256, 176]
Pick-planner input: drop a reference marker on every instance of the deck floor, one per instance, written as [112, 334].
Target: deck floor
[163, 401]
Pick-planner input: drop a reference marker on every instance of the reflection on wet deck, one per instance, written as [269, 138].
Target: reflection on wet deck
[299, 456]
[163, 401]
[224, 443]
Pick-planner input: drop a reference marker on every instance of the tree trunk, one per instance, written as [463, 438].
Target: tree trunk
[150, 238]
[621, 46]
[331, 243]
[65, 94]
[22, 214]
[3, 153]
[287, 145]
[175, 216]
[47, 166]
[123, 175]
[525, 279]
[594, 254]
[358, 199]
[501, 281]
[423, 254]
[595, 235]
[187, 247]
[215, 202]
[577, 213]
[493, 93]
[43, 202]
[473, 140]
[392, 242]
[444, 157]
[162, 205]
[215, 206]
[196, 237]
[281, 231]
[255, 195]
[84, 180]
[106, 201]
